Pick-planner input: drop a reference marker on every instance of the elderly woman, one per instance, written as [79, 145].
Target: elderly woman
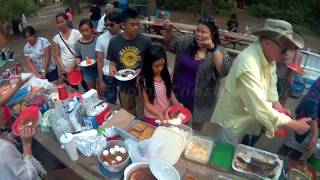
[200, 63]
[38, 57]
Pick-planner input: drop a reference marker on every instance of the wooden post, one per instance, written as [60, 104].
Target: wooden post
[151, 7]
[206, 7]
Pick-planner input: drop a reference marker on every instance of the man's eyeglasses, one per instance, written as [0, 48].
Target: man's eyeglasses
[283, 50]
[109, 24]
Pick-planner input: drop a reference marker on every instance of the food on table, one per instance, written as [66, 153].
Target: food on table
[127, 73]
[142, 174]
[304, 171]
[254, 162]
[114, 155]
[35, 99]
[17, 109]
[4, 88]
[141, 131]
[88, 60]
[190, 178]
[199, 149]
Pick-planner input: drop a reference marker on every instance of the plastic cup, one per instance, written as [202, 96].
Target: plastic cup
[62, 91]
[70, 146]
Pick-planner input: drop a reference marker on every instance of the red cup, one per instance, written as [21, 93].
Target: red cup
[62, 91]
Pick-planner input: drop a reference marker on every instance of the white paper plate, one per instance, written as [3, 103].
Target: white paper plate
[128, 78]
[84, 63]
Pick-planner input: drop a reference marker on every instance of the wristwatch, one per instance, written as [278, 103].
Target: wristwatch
[43, 71]
[212, 49]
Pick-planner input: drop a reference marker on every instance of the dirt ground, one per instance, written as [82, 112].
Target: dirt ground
[44, 23]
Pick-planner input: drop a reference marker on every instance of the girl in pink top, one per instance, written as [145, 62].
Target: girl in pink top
[69, 15]
[156, 85]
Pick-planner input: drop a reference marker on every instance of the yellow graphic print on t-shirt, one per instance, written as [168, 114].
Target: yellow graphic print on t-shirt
[130, 57]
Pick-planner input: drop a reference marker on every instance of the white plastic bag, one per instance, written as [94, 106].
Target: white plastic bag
[91, 145]
[142, 151]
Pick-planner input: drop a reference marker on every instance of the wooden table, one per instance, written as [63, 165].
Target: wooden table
[87, 167]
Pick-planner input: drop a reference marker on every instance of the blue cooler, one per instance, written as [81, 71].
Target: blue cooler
[298, 87]
[123, 4]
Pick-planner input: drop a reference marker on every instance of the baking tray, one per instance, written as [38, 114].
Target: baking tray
[133, 124]
[257, 152]
[210, 144]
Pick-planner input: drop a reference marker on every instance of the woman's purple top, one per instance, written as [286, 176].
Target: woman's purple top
[185, 81]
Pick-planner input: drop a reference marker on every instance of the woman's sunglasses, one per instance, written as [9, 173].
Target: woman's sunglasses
[109, 24]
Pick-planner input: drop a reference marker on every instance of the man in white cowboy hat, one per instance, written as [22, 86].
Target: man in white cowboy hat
[249, 99]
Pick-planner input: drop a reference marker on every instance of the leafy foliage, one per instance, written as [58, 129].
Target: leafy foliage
[301, 13]
[12, 10]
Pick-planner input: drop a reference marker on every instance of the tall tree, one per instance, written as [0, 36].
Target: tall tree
[11, 12]
[151, 7]
[75, 6]
[206, 7]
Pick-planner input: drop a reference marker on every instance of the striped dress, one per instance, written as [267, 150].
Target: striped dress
[161, 101]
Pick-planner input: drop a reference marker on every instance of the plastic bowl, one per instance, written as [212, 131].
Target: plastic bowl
[132, 167]
[116, 167]
[75, 77]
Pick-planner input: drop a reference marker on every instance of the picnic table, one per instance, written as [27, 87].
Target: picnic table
[226, 36]
[87, 167]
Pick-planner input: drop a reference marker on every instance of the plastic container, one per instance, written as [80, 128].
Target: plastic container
[133, 167]
[184, 130]
[140, 130]
[262, 155]
[74, 77]
[171, 144]
[192, 175]
[222, 156]
[115, 167]
[199, 149]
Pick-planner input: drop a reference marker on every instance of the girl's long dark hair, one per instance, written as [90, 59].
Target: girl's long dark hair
[210, 22]
[152, 54]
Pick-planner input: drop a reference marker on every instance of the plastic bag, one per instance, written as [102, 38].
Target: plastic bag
[59, 123]
[91, 145]
[142, 151]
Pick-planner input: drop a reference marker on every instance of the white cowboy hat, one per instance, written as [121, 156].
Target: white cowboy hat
[281, 31]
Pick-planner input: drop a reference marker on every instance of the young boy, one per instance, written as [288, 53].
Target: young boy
[126, 51]
[296, 145]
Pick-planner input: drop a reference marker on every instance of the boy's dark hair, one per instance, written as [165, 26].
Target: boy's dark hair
[113, 17]
[128, 14]
[28, 30]
[152, 54]
[64, 16]
[116, 4]
[87, 22]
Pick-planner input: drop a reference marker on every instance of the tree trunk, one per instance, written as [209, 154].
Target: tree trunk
[206, 7]
[75, 6]
[151, 7]
[15, 28]
[2, 35]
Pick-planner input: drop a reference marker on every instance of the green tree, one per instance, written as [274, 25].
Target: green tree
[11, 12]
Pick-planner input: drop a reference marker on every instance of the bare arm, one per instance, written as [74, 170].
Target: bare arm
[31, 66]
[112, 68]
[47, 57]
[57, 56]
[174, 99]
[100, 64]
[218, 61]
[150, 107]
[5, 97]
